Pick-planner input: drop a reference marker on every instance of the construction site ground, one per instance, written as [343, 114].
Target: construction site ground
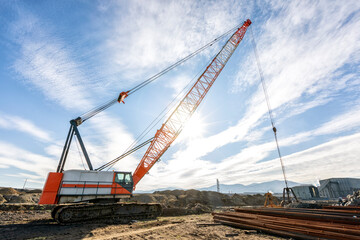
[37, 224]
[187, 216]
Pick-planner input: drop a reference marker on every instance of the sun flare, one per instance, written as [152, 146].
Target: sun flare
[194, 128]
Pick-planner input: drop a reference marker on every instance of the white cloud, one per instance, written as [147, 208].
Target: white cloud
[154, 34]
[344, 122]
[114, 140]
[20, 124]
[179, 83]
[13, 156]
[334, 158]
[45, 62]
[304, 52]
[300, 54]
[26, 178]
[347, 121]
[294, 72]
[3, 166]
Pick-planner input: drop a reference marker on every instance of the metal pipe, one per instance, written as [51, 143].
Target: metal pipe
[333, 227]
[289, 228]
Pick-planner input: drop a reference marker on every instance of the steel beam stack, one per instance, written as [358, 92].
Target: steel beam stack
[297, 223]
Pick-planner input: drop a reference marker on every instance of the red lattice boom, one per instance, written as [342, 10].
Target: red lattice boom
[176, 121]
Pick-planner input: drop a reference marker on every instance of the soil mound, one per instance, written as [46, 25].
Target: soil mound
[8, 191]
[182, 198]
[31, 190]
[21, 198]
[195, 201]
[2, 199]
[174, 202]
[183, 202]
[24, 198]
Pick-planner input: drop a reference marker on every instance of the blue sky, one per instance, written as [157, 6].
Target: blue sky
[60, 59]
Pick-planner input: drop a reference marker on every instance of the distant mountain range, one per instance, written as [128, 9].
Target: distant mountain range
[275, 186]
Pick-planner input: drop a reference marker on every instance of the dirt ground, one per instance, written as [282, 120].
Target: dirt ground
[22, 218]
[37, 224]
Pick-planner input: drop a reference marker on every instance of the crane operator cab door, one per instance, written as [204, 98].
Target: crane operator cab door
[123, 182]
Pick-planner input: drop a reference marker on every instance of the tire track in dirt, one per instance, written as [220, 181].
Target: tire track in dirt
[131, 233]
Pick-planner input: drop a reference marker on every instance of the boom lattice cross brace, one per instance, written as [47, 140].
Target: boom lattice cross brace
[175, 123]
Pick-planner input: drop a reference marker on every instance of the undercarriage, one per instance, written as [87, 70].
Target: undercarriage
[113, 212]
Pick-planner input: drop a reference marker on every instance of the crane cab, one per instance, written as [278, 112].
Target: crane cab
[86, 186]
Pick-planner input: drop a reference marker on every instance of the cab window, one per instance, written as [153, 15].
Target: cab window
[127, 178]
[119, 177]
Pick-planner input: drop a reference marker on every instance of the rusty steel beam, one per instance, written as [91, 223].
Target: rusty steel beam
[333, 227]
[338, 212]
[296, 223]
[304, 215]
[267, 230]
[343, 208]
[290, 227]
[320, 223]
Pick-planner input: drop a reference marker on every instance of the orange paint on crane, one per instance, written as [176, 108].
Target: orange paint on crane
[117, 188]
[51, 188]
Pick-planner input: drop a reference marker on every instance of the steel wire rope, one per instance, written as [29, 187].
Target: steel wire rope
[102, 107]
[151, 79]
[268, 104]
[112, 162]
[160, 116]
[77, 145]
[97, 110]
[169, 107]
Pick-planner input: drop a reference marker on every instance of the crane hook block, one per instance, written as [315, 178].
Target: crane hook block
[122, 96]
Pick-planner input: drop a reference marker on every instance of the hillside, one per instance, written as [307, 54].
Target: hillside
[275, 186]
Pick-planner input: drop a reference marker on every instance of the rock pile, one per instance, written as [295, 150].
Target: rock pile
[352, 199]
[8, 191]
[180, 202]
[10, 195]
[2, 199]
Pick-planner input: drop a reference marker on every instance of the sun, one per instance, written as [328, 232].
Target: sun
[194, 128]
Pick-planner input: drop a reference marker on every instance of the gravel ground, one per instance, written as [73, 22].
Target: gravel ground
[37, 224]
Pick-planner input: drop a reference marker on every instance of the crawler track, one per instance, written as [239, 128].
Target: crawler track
[113, 212]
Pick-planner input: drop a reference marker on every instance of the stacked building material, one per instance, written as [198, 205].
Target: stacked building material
[344, 208]
[352, 199]
[296, 223]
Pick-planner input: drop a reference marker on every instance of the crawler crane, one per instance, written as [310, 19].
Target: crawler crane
[94, 194]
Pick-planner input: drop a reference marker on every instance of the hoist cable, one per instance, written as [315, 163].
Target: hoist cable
[100, 108]
[78, 148]
[97, 110]
[166, 110]
[160, 116]
[268, 104]
[146, 82]
[111, 163]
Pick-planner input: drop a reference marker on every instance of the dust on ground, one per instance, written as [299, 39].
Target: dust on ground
[37, 224]
[186, 216]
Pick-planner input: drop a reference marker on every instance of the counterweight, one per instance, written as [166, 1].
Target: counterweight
[175, 123]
